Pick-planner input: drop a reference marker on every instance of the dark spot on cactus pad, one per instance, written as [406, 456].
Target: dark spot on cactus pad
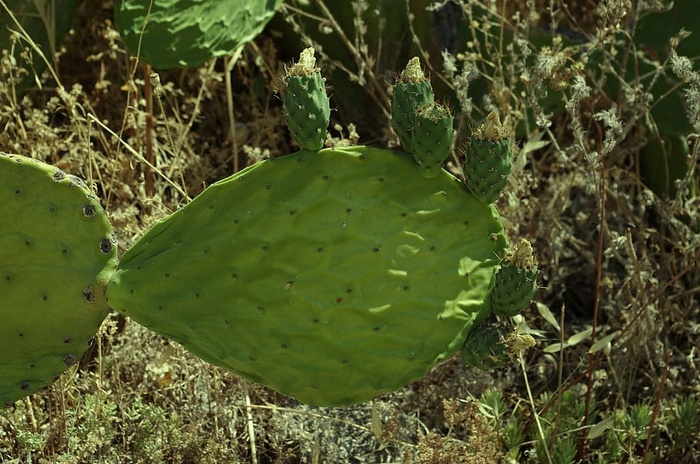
[67, 340]
[21, 334]
[319, 249]
[344, 361]
[376, 249]
[89, 294]
[316, 321]
[349, 290]
[206, 251]
[288, 285]
[18, 191]
[252, 358]
[283, 346]
[349, 210]
[24, 386]
[89, 210]
[404, 214]
[58, 176]
[52, 209]
[65, 251]
[70, 359]
[377, 328]
[138, 268]
[196, 295]
[326, 177]
[339, 300]
[432, 248]
[167, 275]
[45, 298]
[28, 242]
[380, 179]
[227, 323]
[160, 307]
[292, 211]
[234, 277]
[269, 186]
[265, 247]
[105, 245]
[406, 287]
[261, 310]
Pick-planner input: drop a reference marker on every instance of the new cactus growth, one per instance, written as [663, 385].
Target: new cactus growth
[515, 283]
[57, 251]
[306, 106]
[412, 91]
[492, 344]
[424, 127]
[488, 160]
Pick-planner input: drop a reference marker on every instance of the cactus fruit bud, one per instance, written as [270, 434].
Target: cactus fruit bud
[491, 345]
[516, 282]
[432, 138]
[306, 106]
[57, 251]
[412, 92]
[486, 347]
[488, 160]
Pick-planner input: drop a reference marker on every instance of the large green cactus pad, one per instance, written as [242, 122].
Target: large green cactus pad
[57, 251]
[330, 276]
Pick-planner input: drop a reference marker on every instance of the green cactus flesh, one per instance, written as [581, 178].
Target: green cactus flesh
[306, 106]
[330, 276]
[488, 160]
[432, 139]
[57, 251]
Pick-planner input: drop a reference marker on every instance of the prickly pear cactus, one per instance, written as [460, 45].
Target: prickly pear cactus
[57, 251]
[331, 276]
[488, 160]
[306, 107]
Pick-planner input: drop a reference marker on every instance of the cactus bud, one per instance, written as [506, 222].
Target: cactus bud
[488, 162]
[516, 282]
[412, 91]
[306, 106]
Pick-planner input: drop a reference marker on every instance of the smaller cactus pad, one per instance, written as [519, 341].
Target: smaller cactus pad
[515, 283]
[57, 251]
[488, 160]
[306, 106]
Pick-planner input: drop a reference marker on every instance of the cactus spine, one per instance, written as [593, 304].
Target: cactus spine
[488, 160]
[306, 106]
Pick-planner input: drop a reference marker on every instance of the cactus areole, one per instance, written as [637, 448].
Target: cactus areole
[330, 276]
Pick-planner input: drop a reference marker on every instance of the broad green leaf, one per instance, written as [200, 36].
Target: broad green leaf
[189, 32]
